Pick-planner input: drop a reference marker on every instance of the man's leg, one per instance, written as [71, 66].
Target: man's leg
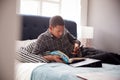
[105, 57]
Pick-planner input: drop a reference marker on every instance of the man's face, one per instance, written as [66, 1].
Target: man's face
[57, 31]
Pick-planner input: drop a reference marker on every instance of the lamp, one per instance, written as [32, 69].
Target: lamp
[87, 35]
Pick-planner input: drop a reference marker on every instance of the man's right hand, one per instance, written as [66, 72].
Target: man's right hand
[53, 58]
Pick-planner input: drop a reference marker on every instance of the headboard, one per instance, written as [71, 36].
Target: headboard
[33, 26]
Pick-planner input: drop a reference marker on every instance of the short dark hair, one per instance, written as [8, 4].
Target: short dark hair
[56, 20]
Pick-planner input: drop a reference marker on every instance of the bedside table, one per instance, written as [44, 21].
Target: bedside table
[86, 42]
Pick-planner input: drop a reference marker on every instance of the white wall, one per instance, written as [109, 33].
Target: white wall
[8, 34]
[104, 16]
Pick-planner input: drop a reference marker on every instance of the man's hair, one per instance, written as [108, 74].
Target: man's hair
[56, 20]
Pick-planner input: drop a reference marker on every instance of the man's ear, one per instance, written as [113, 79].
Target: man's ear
[50, 27]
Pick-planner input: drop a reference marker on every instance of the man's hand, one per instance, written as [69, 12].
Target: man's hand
[53, 58]
[76, 49]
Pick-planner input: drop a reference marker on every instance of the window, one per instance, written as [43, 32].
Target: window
[50, 9]
[40, 7]
[29, 7]
[68, 9]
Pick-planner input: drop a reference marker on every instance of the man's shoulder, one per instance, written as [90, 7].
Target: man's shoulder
[43, 35]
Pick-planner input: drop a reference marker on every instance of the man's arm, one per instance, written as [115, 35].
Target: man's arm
[75, 42]
[53, 58]
[72, 39]
[40, 46]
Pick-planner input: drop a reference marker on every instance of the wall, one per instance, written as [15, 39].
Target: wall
[8, 34]
[104, 16]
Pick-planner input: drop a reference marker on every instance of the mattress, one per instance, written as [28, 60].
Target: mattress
[61, 71]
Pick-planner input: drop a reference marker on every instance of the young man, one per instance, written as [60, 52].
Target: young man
[57, 37]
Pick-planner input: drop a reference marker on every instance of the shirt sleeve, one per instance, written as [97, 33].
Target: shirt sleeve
[40, 46]
[72, 38]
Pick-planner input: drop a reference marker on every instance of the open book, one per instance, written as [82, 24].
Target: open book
[65, 58]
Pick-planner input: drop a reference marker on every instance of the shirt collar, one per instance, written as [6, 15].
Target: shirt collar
[49, 34]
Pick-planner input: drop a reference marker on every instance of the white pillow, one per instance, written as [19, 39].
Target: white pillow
[23, 43]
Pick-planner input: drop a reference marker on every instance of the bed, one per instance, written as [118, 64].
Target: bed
[32, 26]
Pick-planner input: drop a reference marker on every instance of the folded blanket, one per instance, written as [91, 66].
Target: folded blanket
[53, 71]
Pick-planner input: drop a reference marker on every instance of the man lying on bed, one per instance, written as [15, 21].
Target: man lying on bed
[57, 37]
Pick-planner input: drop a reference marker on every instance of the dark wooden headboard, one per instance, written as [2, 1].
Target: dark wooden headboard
[33, 26]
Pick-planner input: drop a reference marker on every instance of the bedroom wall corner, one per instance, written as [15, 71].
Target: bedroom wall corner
[104, 16]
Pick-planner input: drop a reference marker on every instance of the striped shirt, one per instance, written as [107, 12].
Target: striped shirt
[47, 42]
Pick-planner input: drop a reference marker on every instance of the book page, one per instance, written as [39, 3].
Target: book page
[75, 60]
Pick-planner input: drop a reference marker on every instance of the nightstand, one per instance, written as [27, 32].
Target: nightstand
[86, 42]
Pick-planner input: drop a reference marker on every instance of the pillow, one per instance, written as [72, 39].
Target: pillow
[24, 56]
[30, 47]
[24, 50]
[23, 43]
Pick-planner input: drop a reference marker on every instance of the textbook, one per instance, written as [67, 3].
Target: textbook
[65, 58]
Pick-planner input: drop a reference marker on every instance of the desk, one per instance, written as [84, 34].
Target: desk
[88, 62]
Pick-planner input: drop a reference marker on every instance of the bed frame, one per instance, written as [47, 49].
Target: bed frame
[33, 26]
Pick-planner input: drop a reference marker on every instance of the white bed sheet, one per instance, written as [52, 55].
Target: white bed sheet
[23, 70]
